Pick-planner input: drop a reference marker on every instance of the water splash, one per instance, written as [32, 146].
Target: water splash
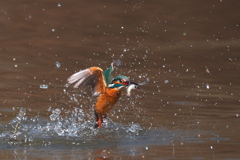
[68, 131]
[55, 114]
[134, 128]
[62, 127]
[117, 62]
[19, 117]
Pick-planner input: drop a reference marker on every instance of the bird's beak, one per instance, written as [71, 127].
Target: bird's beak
[136, 85]
[127, 83]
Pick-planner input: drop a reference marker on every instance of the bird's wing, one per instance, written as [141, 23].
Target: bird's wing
[108, 74]
[91, 76]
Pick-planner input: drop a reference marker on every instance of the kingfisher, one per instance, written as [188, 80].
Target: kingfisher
[107, 89]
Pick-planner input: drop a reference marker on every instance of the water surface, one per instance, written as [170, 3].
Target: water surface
[188, 50]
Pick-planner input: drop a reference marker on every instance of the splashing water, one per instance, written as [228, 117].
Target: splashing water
[117, 62]
[61, 128]
[55, 114]
[19, 117]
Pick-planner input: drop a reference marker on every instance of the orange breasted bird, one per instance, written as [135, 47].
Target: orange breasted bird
[107, 90]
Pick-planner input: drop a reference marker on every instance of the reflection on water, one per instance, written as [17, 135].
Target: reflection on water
[187, 50]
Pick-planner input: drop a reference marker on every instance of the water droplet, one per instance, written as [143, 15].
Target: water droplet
[53, 30]
[207, 70]
[59, 5]
[146, 147]
[166, 81]
[49, 109]
[211, 147]
[43, 86]
[58, 64]
[207, 86]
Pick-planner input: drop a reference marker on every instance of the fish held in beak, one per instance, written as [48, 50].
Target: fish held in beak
[132, 86]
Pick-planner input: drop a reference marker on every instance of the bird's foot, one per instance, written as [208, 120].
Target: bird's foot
[99, 122]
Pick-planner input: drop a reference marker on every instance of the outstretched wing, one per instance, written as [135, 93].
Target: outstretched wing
[92, 76]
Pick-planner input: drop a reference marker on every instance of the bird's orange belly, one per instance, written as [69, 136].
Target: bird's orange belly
[105, 103]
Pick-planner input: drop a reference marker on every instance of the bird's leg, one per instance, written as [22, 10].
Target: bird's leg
[99, 120]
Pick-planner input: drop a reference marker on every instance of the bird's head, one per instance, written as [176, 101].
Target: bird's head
[117, 86]
[124, 80]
